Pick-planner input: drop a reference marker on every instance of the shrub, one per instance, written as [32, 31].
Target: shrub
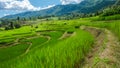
[36, 27]
[7, 28]
[17, 25]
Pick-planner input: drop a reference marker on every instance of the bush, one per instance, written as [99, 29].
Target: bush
[111, 11]
[77, 27]
[7, 28]
[36, 27]
[17, 25]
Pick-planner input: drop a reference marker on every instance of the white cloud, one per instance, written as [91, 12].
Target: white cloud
[6, 14]
[64, 2]
[48, 7]
[17, 5]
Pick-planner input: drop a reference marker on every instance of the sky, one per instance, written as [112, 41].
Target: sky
[9, 7]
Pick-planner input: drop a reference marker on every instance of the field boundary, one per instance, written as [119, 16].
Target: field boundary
[102, 54]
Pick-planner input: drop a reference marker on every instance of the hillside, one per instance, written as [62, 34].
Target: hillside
[92, 41]
[86, 6]
[75, 44]
[117, 2]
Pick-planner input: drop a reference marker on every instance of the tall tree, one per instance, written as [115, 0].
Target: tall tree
[18, 18]
[11, 25]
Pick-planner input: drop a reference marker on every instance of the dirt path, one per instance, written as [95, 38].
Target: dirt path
[11, 44]
[30, 45]
[103, 54]
[66, 35]
[16, 41]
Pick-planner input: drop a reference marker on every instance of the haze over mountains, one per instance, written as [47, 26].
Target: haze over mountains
[86, 6]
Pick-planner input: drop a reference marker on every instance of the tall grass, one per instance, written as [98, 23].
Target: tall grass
[35, 41]
[5, 63]
[12, 52]
[113, 17]
[114, 26]
[106, 18]
[63, 54]
[60, 53]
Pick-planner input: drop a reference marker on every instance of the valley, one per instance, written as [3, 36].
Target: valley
[74, 34]
[61, 44]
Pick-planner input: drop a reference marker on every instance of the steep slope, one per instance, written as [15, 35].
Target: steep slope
[117, 2]
[86, 6]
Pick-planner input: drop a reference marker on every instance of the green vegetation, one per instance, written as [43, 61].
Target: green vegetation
[35, 41]
[12, 52]
[41, 46]
[18, 48]
[66, 51]
[113, 25]
[40, 43]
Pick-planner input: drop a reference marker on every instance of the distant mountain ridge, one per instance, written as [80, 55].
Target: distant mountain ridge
[86, 6]
[117, 2]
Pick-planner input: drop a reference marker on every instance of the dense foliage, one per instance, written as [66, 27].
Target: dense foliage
[111, 11]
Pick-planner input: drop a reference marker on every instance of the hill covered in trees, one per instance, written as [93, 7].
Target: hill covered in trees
[86, 6]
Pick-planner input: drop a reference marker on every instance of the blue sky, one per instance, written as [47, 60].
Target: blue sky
[8, 7]
[44, 3]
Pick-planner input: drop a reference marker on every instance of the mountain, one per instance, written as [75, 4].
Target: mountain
[86, 6]
[117, 2]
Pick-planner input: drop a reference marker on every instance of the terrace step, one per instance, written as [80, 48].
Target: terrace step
[103, 53]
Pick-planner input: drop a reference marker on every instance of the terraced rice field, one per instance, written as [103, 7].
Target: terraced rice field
[60, 44]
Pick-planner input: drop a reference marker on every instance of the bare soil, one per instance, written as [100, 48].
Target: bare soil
[66, 35]
[105, 52]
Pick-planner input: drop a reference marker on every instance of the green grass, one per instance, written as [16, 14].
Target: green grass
[107, 18]
[38, 44]
[62, 54]
[12, 52]
[65, 53]
[19, 49]
[112, 25]
[35, 41]
[115, 28]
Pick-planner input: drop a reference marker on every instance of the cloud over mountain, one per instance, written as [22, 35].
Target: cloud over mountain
[26, 5]
[64, 2]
